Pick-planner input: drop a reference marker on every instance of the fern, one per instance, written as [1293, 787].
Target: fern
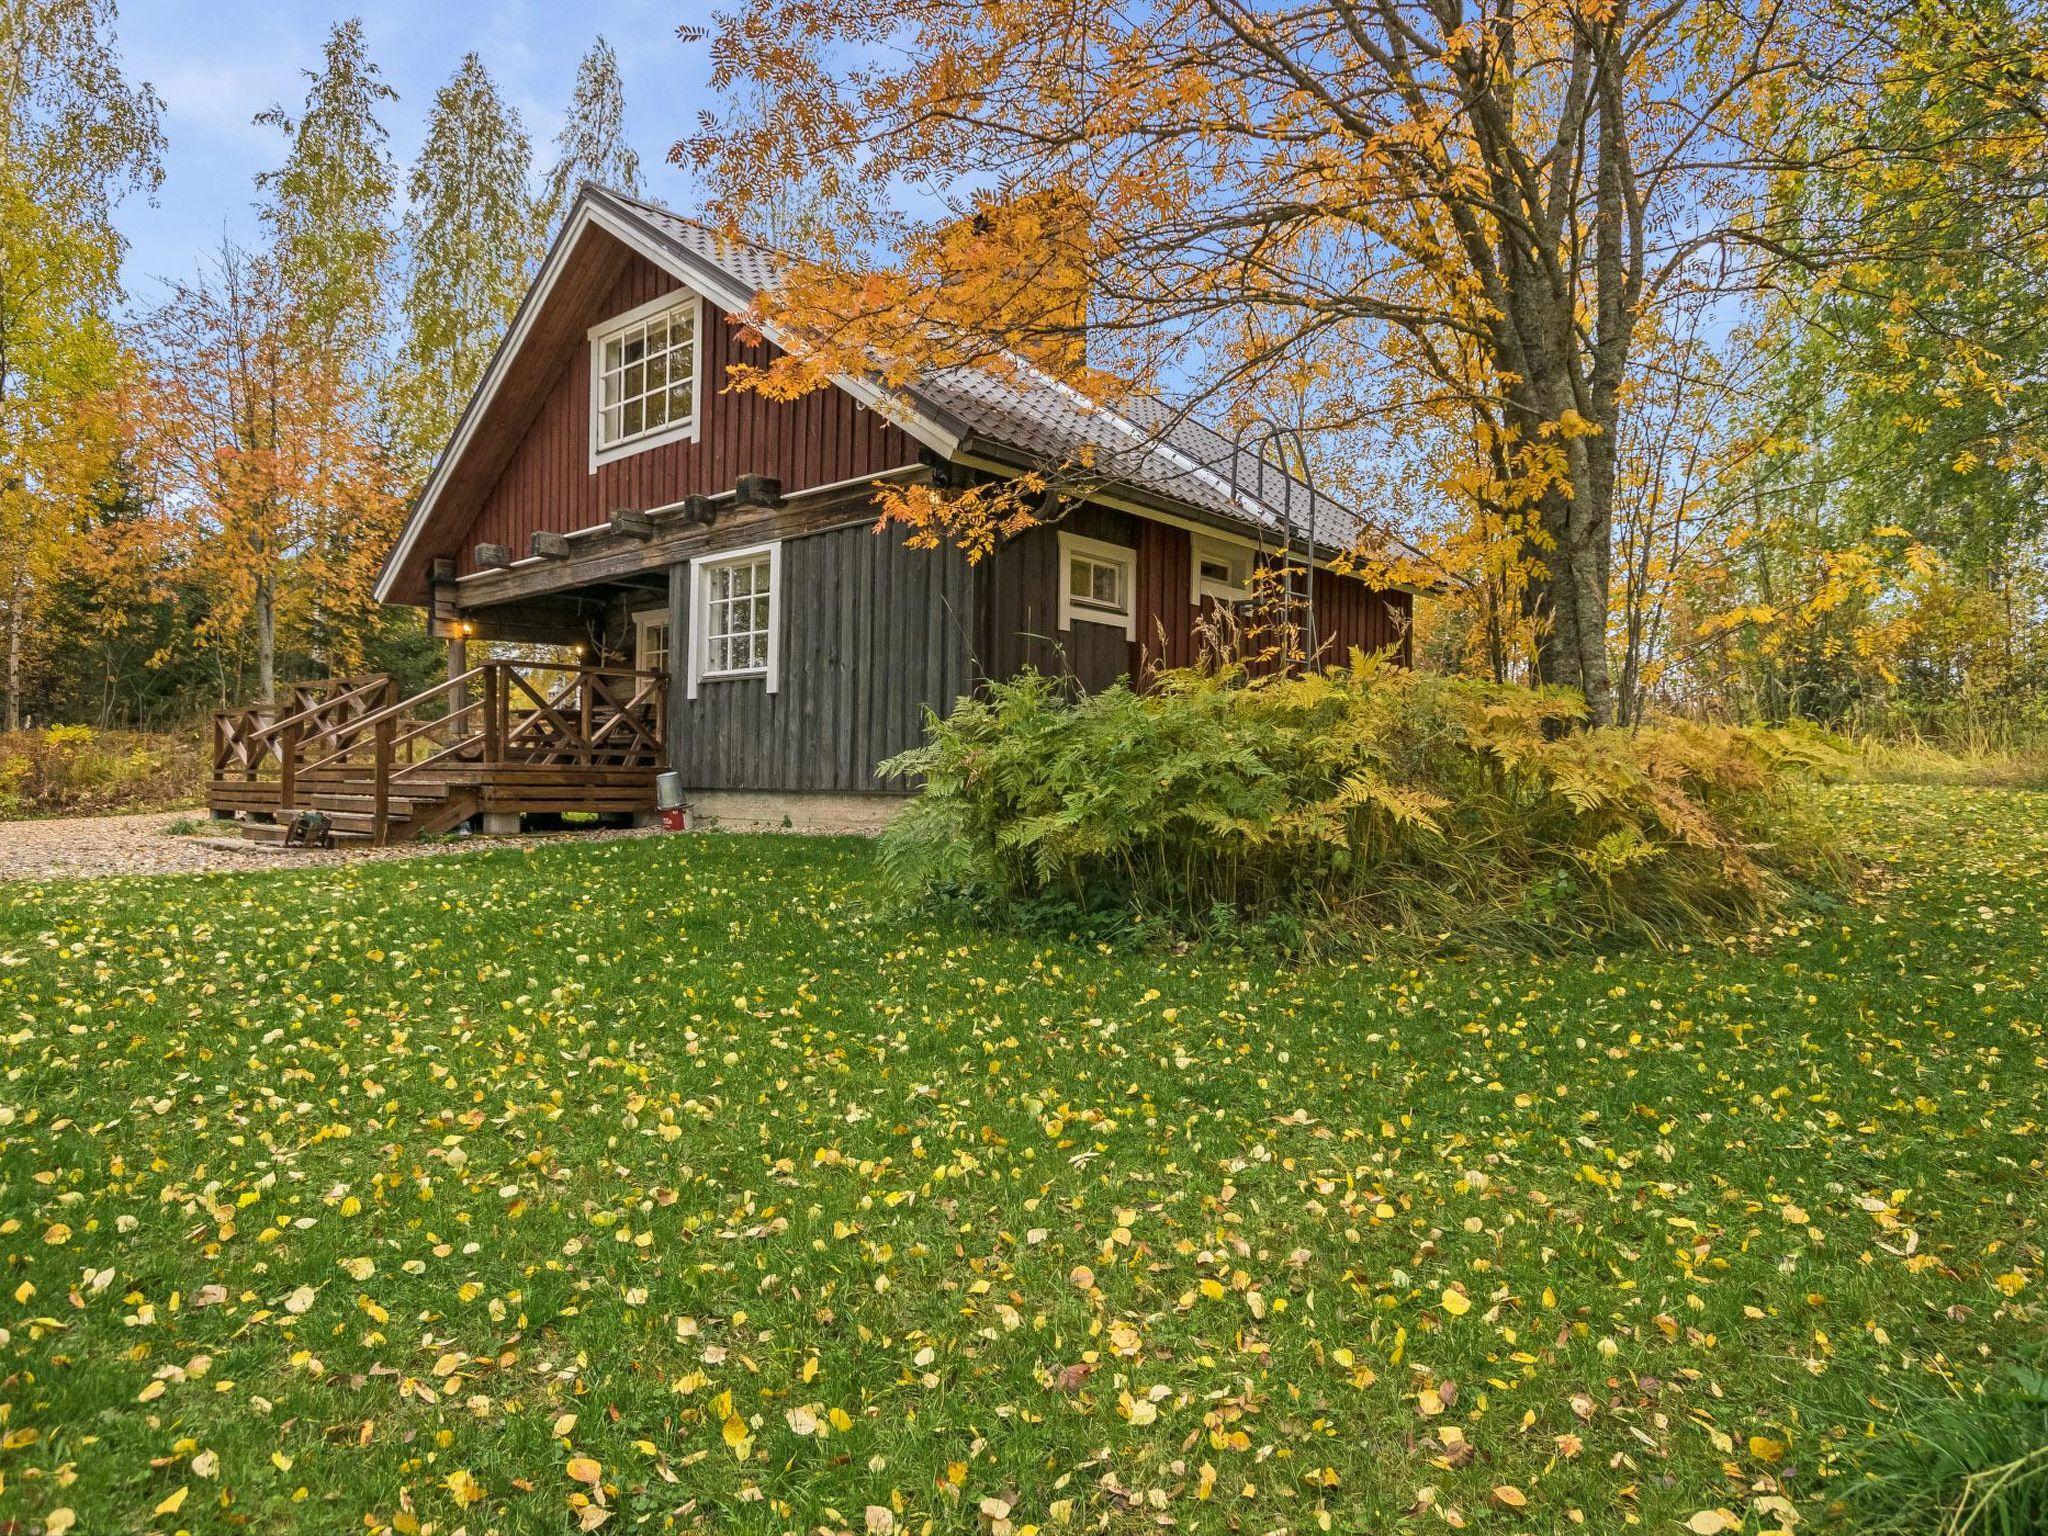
[1344, 802]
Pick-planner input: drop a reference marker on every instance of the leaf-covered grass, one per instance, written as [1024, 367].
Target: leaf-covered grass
[677, 1183]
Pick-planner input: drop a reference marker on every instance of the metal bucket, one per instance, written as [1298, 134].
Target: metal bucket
[668, 792]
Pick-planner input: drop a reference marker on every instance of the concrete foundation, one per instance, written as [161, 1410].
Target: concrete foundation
[501, 823]
[770, 811]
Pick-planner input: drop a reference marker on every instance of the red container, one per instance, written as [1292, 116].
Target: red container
[677, 820]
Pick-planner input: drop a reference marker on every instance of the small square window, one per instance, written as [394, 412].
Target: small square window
[1096, 583]
[1222, 572]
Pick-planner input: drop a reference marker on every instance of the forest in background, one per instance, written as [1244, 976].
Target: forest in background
[197, 491]
[1827, 474]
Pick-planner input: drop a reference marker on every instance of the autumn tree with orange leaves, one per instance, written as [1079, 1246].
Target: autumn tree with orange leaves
[267, 474]
[1494, 197]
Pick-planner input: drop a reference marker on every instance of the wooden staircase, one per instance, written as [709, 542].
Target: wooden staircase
[350, 807]
[501, 739]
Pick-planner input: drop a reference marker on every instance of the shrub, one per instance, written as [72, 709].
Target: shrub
[71, 770]
[1363, 797]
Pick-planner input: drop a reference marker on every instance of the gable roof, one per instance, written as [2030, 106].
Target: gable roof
[1023, 417]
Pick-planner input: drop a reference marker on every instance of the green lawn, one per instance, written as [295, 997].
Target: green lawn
[675, 1183]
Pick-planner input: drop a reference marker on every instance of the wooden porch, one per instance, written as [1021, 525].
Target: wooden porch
[503, 739]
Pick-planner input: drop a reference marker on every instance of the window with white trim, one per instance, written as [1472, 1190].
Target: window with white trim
[1096, 584]
[650, 640]
[735, 616]
[1221, 571]
[643, 377]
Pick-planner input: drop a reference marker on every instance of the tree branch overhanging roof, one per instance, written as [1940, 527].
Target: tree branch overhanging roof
[1022, 418]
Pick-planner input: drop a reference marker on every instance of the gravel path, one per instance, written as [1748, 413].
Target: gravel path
[79, 847]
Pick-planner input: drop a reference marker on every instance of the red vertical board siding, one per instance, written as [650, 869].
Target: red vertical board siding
[548, 485]
[1351, 614]
[1348, 612]
[1166, 629]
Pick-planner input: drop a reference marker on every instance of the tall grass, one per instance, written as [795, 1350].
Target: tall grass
[1912, 760]
[74, 770]
[1957, 1465]
[1350, 803]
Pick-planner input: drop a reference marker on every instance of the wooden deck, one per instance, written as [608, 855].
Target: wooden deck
[499, 739]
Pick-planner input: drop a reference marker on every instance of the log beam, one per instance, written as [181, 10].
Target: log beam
[628, 524]
[757, 491]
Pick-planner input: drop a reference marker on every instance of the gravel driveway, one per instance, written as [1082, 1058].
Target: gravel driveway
[83, 846]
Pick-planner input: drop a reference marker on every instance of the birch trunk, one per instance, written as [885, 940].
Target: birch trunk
[14, 600]
[266, 641]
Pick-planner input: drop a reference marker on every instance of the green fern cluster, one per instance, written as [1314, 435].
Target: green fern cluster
[1350, 802]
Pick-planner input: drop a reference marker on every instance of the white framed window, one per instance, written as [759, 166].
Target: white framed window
[650, 640]
[1220, 570]
[735, 616]
[643, 377]
[1097, 583]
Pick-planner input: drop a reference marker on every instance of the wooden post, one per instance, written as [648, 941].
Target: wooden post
[458, 696]
[587, 684]
[288, 766]
[494, 714]
[385, 729]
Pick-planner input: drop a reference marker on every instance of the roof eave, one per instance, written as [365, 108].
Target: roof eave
[988, 453]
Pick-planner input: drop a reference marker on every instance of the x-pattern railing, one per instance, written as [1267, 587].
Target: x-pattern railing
[499, 714]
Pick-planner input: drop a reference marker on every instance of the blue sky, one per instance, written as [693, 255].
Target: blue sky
[217, 63]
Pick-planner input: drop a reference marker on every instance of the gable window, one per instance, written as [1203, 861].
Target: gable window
[643, 378]
[1221, 571]
[735, 616]
[1096, 581]
[650, 640]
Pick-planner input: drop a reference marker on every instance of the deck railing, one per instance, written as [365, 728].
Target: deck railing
[533, 721]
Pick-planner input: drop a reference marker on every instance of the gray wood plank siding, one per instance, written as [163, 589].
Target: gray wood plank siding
[1017, 607]
[871, 631]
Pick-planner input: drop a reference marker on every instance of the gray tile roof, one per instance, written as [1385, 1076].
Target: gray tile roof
[1143, 443]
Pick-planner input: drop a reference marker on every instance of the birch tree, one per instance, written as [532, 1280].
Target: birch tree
[257, 447]
[76, 138]
[592, 145]
[471, 240]
[328, 207]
